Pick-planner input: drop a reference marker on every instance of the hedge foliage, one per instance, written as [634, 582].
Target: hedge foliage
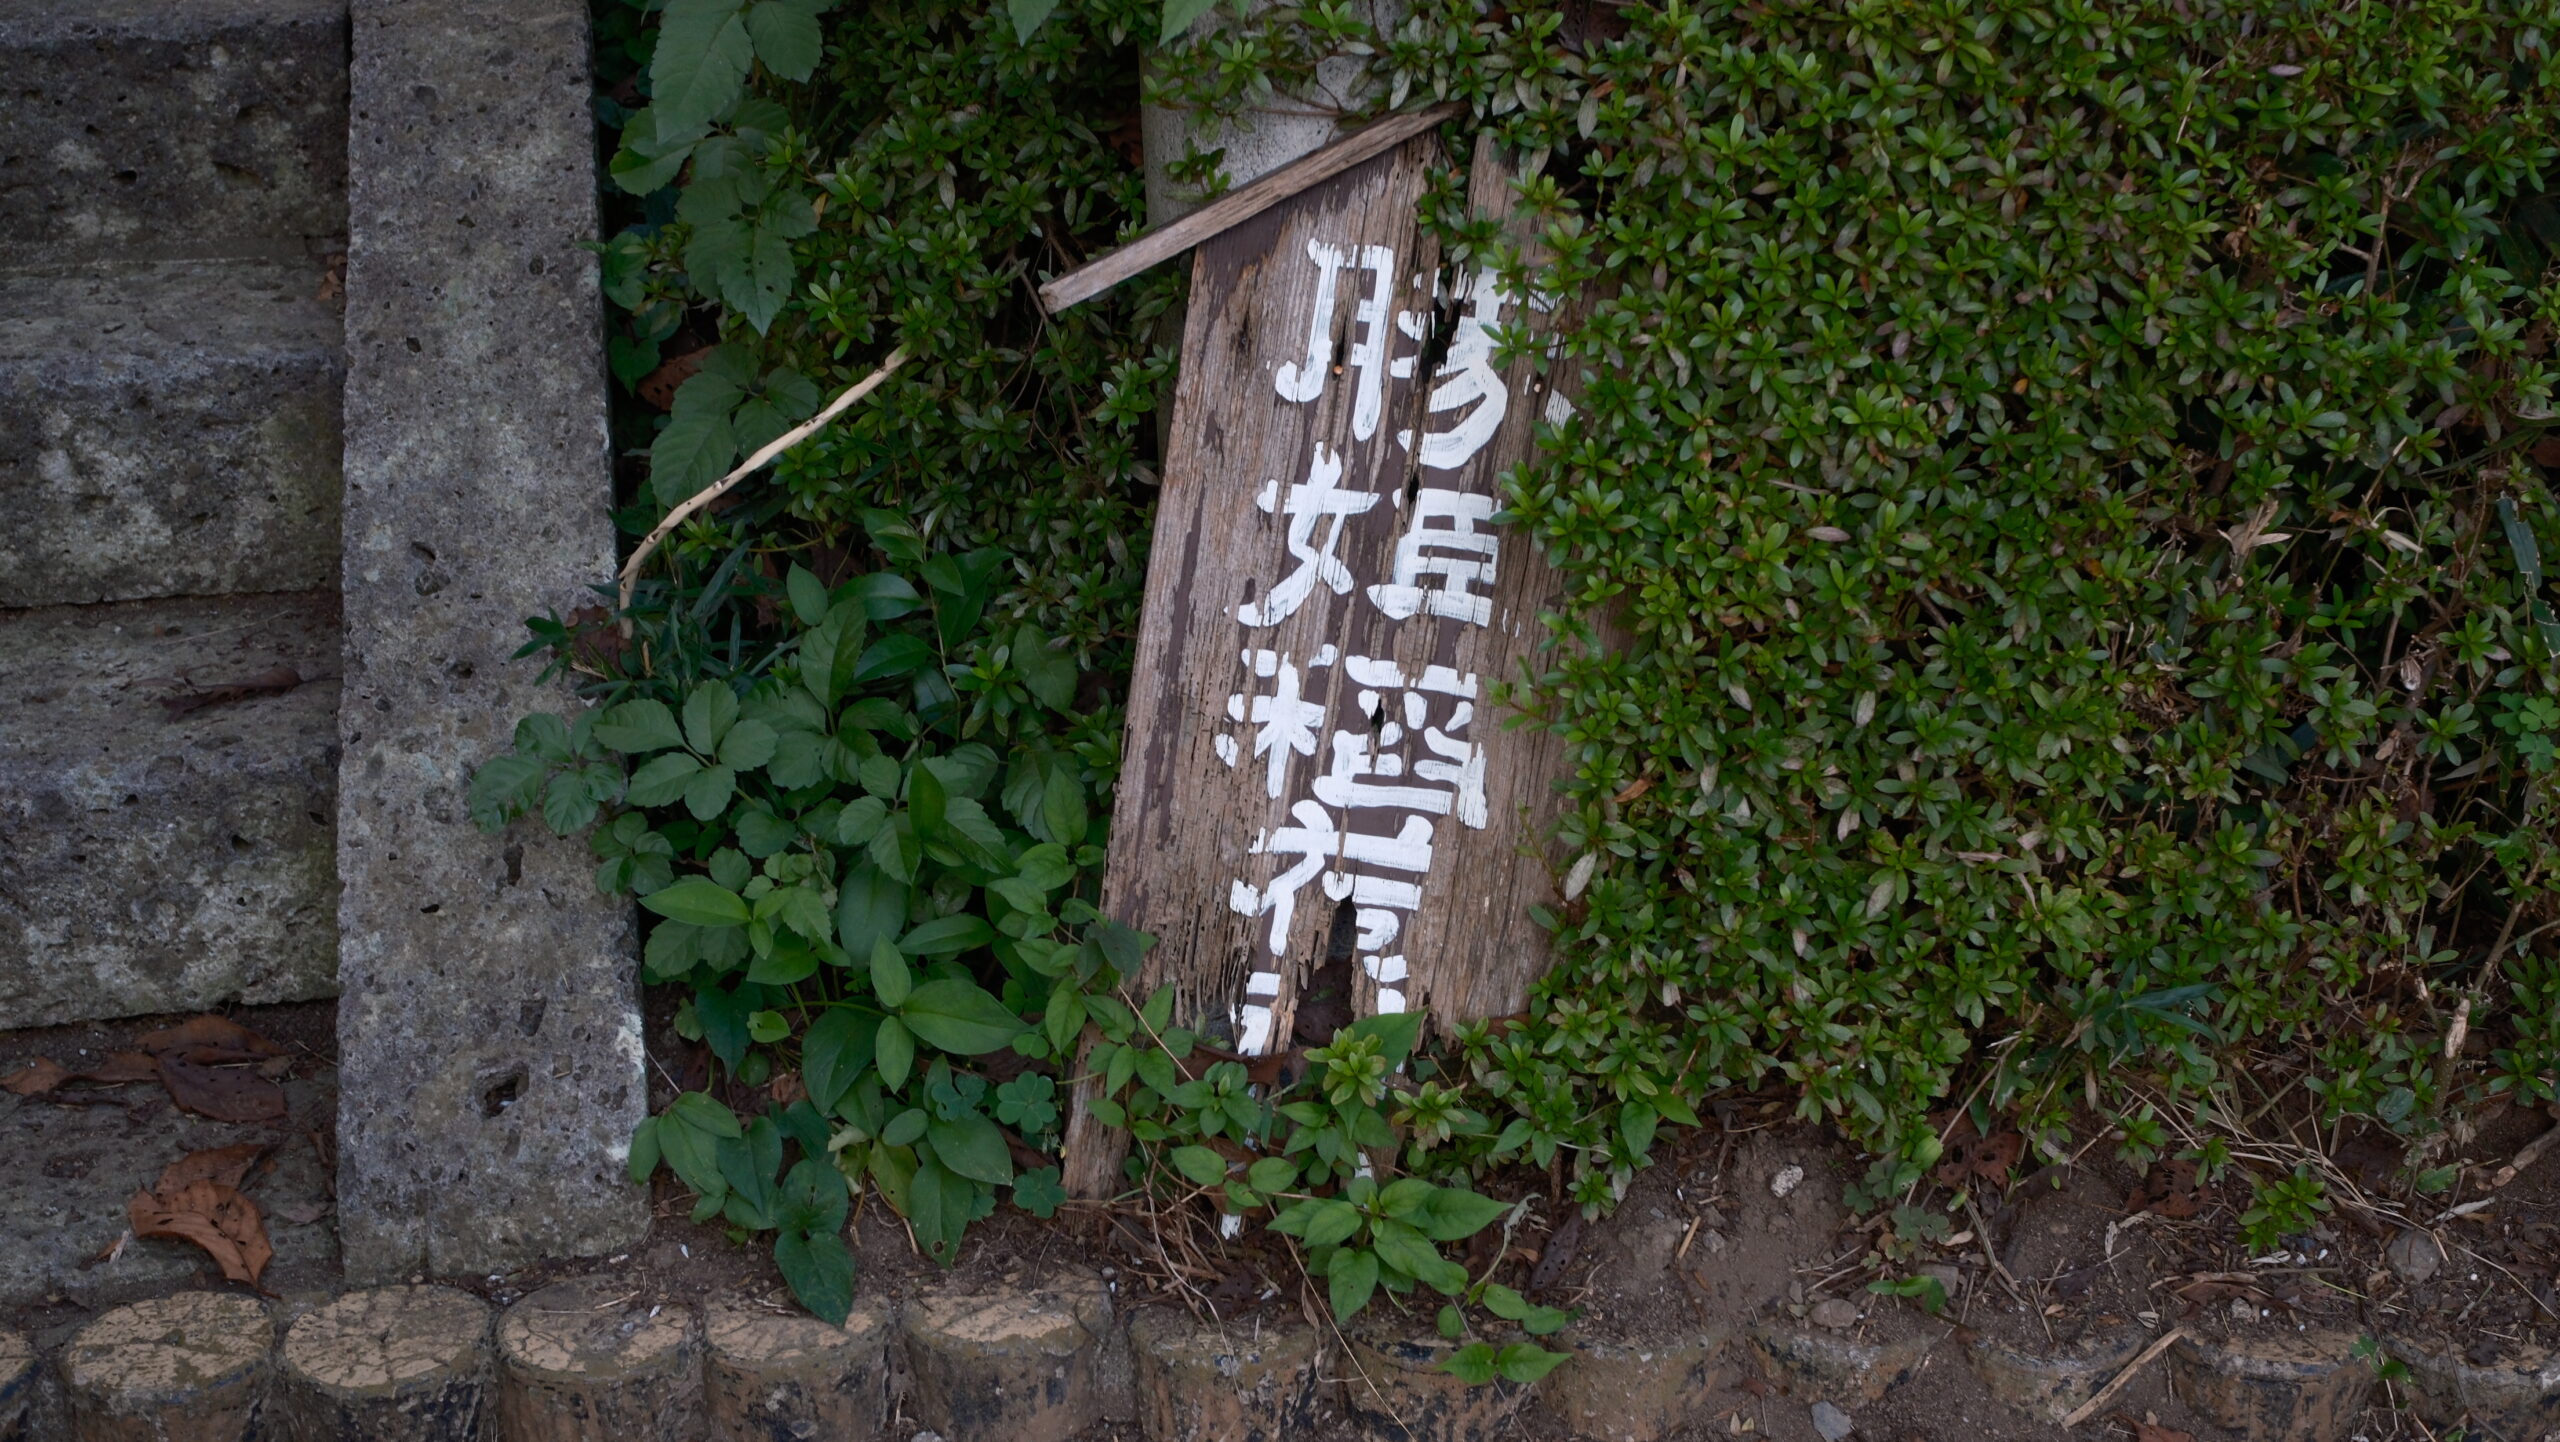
[2075, 477]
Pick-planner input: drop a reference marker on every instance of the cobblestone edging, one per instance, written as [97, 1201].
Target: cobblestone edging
[590, 1360]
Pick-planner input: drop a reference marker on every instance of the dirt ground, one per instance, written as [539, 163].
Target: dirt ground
[1740, 1221]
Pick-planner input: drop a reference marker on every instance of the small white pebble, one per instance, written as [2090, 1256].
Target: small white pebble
[1789, 1177]
[688, 1251]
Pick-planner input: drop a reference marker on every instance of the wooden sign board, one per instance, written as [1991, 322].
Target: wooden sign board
[1312, 740]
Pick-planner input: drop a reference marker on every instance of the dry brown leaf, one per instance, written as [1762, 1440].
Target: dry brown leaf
[1972, 1158]
[226, 1095]
[2171, 1190]
[274, 681]
[35, 1078]
[227, 1165]
[1634, 789]
[208, 1031]
[2147, 1431]
[121, 1067]
[658, 387]
[215, 1217]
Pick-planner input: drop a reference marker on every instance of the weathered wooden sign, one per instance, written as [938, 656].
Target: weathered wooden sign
[1311, 738]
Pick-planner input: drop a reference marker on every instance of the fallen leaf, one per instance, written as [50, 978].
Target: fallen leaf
[215, 1217]
[786, 1088]
[35, 1078]
[302, 1214]
[227, 1165]
[274, 681]
[2153, 1432]
[658, 387]
[121, 1067]
[226, 1095]
[204, 1031]
[1634, 789]
[1971, 1157]
[2171, 1190]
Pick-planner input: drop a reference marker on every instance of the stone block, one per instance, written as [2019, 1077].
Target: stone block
[393, 1364]
[1820, 1363]
[592, 1361]
[1621, 1391]
[778, 1376]
[1243, 1382]
[1395, 1390]
[2049, 1383]
[187, 1368]
[152, 862]
[490, 1032]
[1008, 1365]
[2514, 1397]
[65, 1209]
[167, 428]
[17, 1384]
[2305, 1387]
[143, 127]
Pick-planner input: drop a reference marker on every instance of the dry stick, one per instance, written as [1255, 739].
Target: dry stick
[2089, 1409]
[720, 487]
[1234, 208]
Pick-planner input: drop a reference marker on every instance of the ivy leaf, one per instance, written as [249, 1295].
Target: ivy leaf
[699, 901]
[819, 1271]
[700, 68]
[786, 39]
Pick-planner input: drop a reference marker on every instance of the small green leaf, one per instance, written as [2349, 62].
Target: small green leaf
[644, 1149]
[819, 1272]
[787, 39]
[1028, 17]
[895, 1052]
[890, 979]
[1351, 1279]
[1039, 1193]
[947, 936]
[1472, 1364]
[698, 901]
[1178, 17]
[636, 727]
[835, 1051]
[709, 711]
[959, 1016]
[1454, 1214]
[1526, 1362]
[1202, 1166]
[973, 1147]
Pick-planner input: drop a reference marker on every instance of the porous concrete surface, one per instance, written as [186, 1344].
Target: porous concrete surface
[167, 428]
[62, 1214]
[490, 1032]
[151, 862]
[145, 127]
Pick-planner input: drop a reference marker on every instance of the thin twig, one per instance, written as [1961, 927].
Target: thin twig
[2106, 1394]
[720, 487]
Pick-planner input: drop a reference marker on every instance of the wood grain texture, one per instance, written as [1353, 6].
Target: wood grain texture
[1251, 423]
[1238, 206]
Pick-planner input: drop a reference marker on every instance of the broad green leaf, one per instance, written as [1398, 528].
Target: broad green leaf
[836, 1049]
[1351, 1279]
[819, 1271]
[636, 727]
[504, 785]
[699, 901]
[703, 1113]
[1272, 1174]
[808, 594]
[709, 711]
[1178, 17]
[661, 780]
[1454, 1214]
[947, 936]
[748, 745]
[786, 38]
[927, 802]
[694, 450]
[700, 67]
[813, 1195]
[895, 1052]
[959, 1016]
[870, 906]
[1472, 1364]
[973, 1147]
[890, 979]
[644, 1149]
[1201, 1166]
[708, 793]
[860, 820]
[1048, 672]
[893, 656]
[1526, 1362]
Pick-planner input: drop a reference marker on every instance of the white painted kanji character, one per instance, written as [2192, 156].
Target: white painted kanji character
[1285, 722]
[1342, 785]
[1389, 972]
[1428, 576]
[1253, 1018]
[1303, 381]
[1465, 377]
[1460, 766]
[1317, 498]
[1314, 841]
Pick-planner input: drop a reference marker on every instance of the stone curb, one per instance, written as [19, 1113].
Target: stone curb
[2512, 1400]
[587, 1359]
[2305, 1388]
